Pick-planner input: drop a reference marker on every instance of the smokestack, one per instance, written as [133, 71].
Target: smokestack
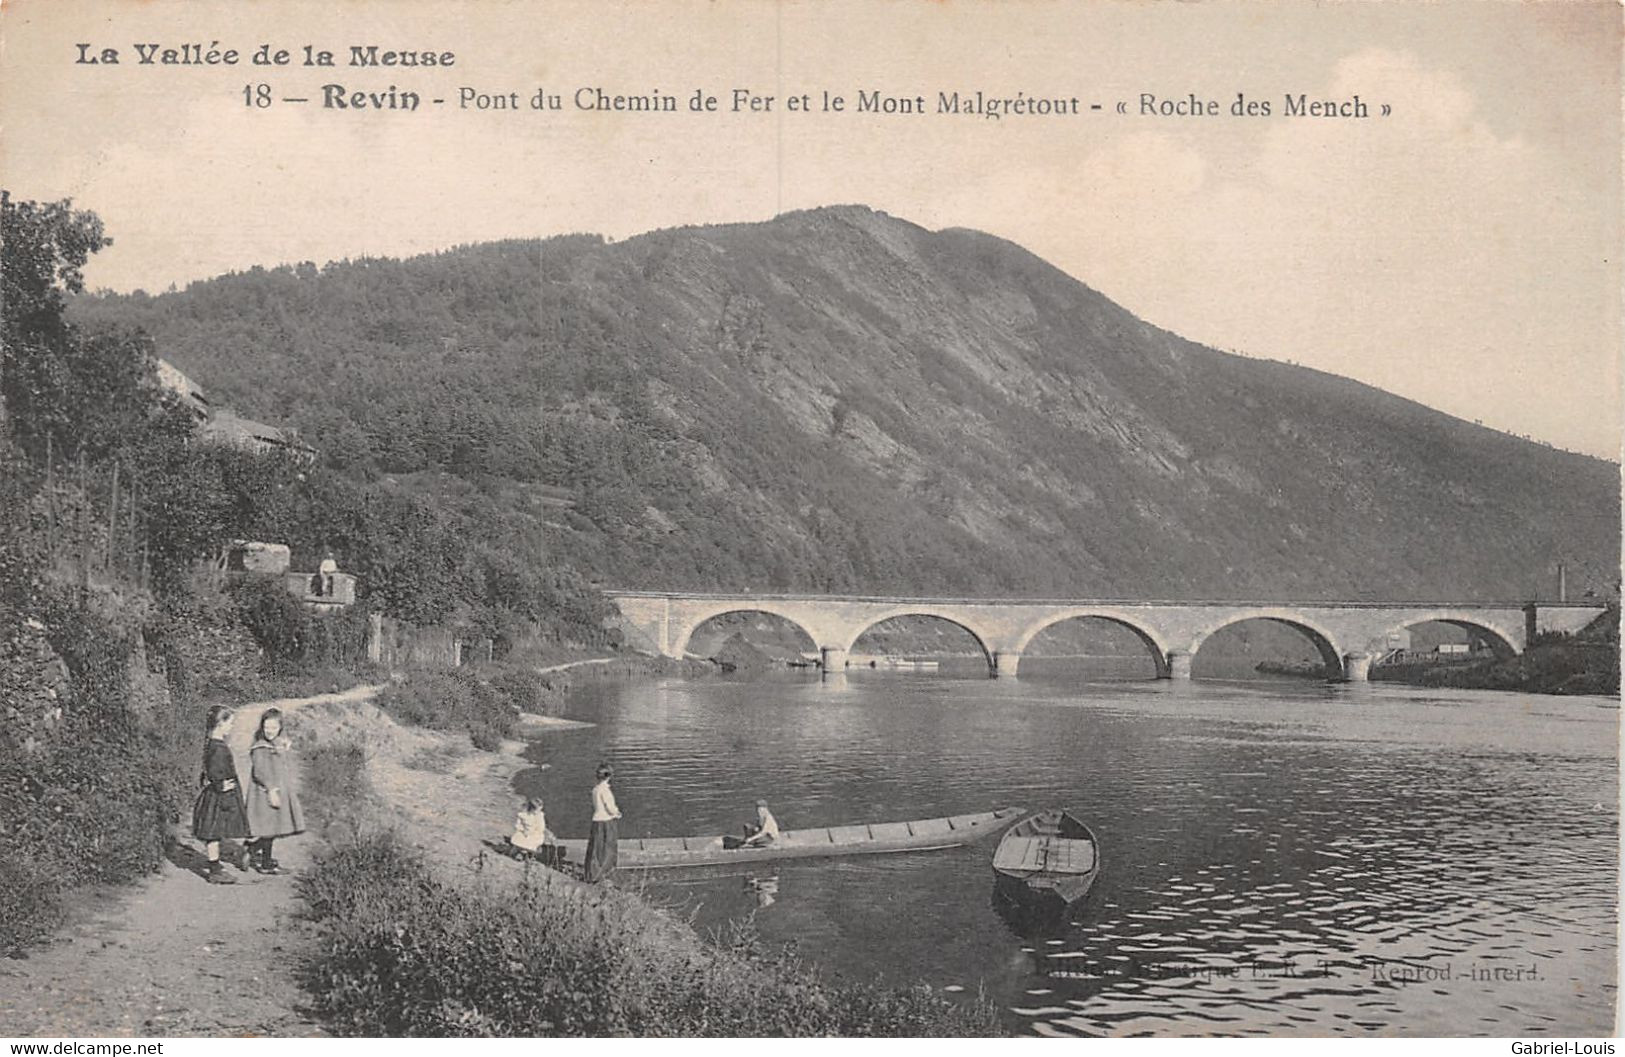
[1562, 582]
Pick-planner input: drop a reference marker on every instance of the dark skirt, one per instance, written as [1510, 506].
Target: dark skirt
[602, 847]
[219, 816]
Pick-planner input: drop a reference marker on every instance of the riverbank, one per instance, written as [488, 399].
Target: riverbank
[268, 955]
[424, 928]
[1563, 667]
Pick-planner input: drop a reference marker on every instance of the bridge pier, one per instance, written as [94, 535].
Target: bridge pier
[1356, 667]
[834, 659]
[1005, 663]
[1179, 665]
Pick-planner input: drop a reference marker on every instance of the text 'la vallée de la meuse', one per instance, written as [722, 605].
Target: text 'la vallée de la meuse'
[213, 54]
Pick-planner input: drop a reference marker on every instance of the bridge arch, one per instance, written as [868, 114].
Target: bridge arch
[1329, 646]
[981, 637]
[679, 646]
[1502, 639]
[1153, 641]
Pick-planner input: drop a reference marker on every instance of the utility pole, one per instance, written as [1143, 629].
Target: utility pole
[50, 505]
[84, 530]
[112, 521]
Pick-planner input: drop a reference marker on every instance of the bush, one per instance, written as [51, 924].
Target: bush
[94, 800]
[406, 954]
[333, 781]
[202, 645]
[1553, 666]
[527, 689]
[293, 635]
[29, 903]
[279, 624]
[455, 700]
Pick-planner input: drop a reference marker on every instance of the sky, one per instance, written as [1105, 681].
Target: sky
[1461, 250]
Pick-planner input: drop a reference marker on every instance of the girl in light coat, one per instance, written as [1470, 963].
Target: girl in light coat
[273, 803]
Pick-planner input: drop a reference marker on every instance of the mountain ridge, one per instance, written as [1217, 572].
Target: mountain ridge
[839, 400]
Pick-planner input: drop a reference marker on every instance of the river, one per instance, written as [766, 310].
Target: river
[1279, 858]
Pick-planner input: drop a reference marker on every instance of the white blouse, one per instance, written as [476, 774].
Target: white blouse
[603, 803]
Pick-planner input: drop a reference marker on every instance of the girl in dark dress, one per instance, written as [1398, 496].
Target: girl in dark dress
[219, 813]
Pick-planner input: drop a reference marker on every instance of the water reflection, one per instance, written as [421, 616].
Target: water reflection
[764, 888]
[1029, 922]
[1283, 858]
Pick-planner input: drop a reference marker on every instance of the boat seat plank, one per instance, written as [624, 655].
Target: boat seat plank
[1044, 854]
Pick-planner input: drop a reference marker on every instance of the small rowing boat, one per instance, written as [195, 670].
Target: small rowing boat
[875, 838]
[1047, 862]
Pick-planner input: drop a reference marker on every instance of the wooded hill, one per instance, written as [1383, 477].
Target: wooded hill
[841, 401]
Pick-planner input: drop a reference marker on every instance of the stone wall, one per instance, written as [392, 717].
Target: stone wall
[398, 645]
[33, 685]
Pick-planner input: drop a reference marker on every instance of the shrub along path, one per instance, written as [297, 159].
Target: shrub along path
[175, 955]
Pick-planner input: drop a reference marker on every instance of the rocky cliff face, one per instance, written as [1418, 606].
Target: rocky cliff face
[838, 400]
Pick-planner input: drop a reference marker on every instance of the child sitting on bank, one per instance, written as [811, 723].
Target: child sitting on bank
[531, 839]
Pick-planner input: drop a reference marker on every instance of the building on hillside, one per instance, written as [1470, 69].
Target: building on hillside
[190, 393]
[222, 425]
[227, 427]
[252, 556]
[321, 590]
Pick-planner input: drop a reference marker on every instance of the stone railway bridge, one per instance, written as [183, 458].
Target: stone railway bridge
[1347, 634]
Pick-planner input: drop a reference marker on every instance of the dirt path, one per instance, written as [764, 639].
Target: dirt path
[567, 665]
[175, 955]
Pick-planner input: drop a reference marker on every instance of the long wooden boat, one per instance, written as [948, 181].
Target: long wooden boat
[875, 838]
[1047, 862]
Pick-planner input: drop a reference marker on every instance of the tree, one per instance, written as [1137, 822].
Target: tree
[46, 247]
[79, 392]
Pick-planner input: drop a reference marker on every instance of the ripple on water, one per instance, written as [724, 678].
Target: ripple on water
[1239, 827]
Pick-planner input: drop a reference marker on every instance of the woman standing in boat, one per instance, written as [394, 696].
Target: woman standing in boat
[601, 842]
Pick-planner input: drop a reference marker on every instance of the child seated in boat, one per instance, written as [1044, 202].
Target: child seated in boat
[766, 830]
[531, 839]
